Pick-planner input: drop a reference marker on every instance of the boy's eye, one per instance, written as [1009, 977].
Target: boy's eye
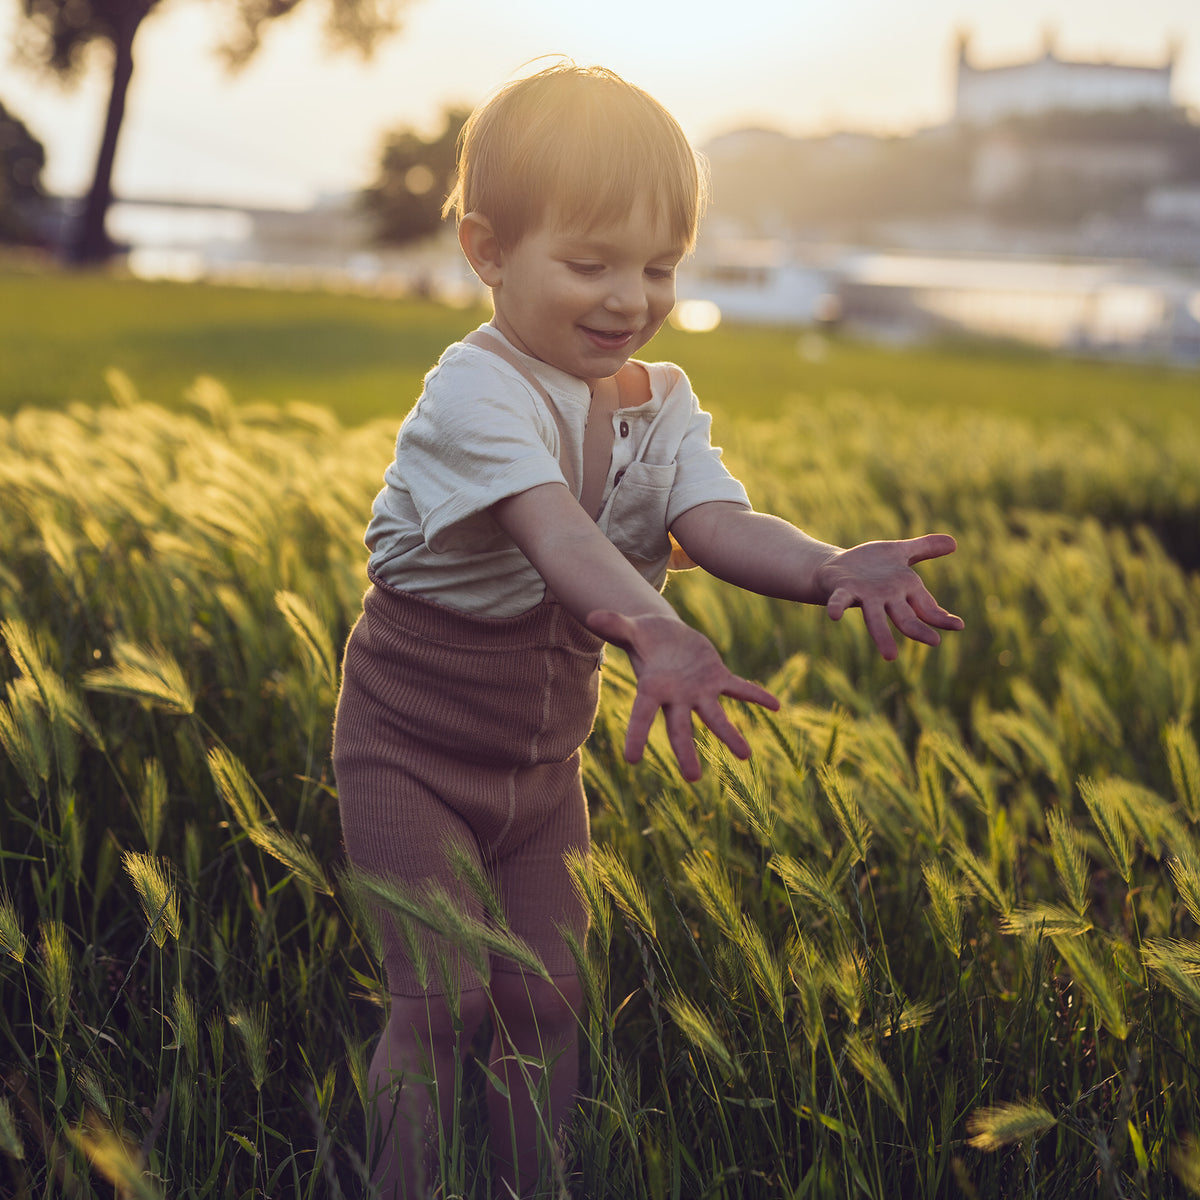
[586, 268]
[660, 272]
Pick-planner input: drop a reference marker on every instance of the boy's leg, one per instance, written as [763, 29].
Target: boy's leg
[539, 1022]
[419, 1040]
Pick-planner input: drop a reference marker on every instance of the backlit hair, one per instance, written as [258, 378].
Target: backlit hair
[582, 145]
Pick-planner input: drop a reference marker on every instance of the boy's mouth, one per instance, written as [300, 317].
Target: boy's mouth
[609, 339]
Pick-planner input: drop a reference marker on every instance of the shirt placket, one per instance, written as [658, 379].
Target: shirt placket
[625, 443]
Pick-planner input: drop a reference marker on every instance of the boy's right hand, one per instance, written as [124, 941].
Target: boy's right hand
[678, 670]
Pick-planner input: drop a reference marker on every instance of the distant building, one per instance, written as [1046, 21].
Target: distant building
[984, 95]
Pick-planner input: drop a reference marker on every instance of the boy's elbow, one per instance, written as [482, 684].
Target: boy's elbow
[701, 532]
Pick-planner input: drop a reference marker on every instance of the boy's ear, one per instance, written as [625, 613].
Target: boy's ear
[482, 248]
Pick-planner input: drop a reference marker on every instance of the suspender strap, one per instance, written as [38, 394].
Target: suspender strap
[485, 341]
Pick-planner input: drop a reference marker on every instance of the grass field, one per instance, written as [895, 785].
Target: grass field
[365, 358]
[939, 939]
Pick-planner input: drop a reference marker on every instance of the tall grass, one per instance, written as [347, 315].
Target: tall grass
[938, 938]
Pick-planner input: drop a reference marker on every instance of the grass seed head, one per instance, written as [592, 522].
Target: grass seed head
[154, 880]
[150, 803]
[867, 1061]
[10, 1140]
[144, 673]
[56, 972]
[1107, 815]
[250, 1024]
[1070, 859]
[1183, 758]
[1002, 1124]
[945, 905]
[12, 939]
[849, 816]
[715, 893]
[618, 880]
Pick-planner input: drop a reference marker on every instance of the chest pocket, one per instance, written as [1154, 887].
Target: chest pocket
[635, 518]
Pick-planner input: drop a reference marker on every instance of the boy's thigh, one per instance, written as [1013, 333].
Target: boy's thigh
[536, 890]
[419, 845]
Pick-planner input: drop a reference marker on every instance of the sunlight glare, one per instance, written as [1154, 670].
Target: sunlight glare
[696, 316]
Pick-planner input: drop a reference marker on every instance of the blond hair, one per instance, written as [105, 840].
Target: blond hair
[580, 143]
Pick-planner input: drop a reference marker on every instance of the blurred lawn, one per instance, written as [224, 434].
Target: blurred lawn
[365, 357]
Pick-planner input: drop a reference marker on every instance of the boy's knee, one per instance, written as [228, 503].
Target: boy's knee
[431, 1021]
[527, 1006]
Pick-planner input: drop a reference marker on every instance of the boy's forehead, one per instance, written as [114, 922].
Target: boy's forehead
[636, 225]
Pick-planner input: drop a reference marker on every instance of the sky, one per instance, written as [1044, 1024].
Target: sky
[299, 123]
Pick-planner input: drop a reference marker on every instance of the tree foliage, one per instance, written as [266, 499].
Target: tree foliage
[21, 160]
[415, 176]
[58, 36]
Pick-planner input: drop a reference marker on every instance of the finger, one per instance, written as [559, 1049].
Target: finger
[912, 626]
[716, 718]
[682, 738]
[931, 545]
[837, 603]
[881, 631]
[742, 689]
[637, 732]
[932, 613]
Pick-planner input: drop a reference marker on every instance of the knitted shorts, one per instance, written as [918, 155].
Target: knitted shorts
[455, 729]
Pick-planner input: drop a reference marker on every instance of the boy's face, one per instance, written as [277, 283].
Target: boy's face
[586, 301]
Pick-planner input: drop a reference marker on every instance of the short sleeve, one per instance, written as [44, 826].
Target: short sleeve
[700, 474]
[476, 436]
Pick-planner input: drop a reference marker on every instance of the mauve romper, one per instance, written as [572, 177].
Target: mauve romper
[455, 726]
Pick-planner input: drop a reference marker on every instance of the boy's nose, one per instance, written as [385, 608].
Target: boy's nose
[628, 295]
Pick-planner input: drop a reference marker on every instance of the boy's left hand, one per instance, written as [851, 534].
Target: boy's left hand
[878, 578]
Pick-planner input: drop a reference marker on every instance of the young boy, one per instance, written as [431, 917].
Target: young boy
[526, 519]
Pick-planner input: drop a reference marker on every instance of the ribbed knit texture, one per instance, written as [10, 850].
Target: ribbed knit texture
[456, 727]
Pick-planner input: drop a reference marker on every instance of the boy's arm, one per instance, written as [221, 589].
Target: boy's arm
[766, 554]
[677, 667]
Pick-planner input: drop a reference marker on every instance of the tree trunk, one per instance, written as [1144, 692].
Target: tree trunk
[90, 242]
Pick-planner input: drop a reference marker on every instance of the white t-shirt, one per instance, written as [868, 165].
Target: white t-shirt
[480, 432]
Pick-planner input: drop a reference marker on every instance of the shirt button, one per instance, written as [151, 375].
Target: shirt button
[624, 428]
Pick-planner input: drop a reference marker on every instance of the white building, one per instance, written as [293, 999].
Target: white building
[984, 95]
